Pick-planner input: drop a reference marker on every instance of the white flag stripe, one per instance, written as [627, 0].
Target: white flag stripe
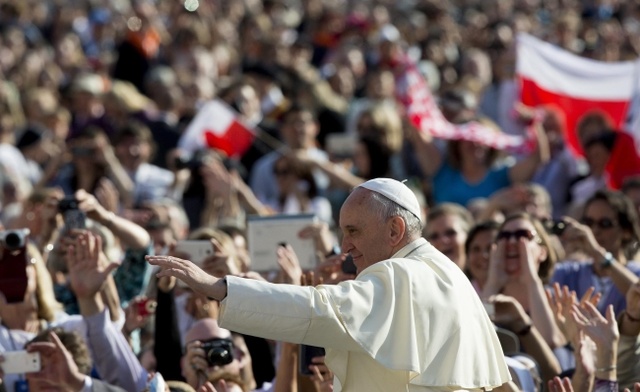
[214, 116]
[562, 72]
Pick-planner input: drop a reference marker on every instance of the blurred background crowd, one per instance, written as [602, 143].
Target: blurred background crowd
[95, 95]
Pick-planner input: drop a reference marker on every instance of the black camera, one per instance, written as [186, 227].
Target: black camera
[556, 227]
[14, 239]
[219, 352]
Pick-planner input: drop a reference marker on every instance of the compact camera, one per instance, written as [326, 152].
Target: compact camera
[219, 352]
[556, 227]
[14, 239]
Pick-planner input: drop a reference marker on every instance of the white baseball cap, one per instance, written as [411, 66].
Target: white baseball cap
[395, 191]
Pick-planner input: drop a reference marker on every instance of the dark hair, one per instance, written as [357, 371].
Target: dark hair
[136, 130]
[546, 267]
[74, 343]
[296, 108]
[478, 229]
[379, 157]
[626, 214]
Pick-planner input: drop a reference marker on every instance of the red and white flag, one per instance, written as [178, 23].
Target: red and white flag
[422, 110]
[216, 125]
[551, 75]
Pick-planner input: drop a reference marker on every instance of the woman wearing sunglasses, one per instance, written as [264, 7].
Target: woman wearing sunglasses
[608, 235]
[520, 264]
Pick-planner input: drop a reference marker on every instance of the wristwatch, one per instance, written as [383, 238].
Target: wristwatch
[608, 260]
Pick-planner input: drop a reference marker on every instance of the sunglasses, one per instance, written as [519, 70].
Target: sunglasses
[447, 233]
[517, 234]
[604, 223]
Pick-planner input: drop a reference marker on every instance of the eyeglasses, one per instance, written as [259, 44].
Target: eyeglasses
[604, 223]
[447, 233]
[517, 234]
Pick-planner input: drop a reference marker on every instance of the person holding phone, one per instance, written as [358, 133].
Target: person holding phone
[410, 319]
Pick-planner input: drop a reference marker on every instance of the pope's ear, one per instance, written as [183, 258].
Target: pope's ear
[397, 228]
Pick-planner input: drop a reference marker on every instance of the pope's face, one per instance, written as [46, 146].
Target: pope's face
[365, 237]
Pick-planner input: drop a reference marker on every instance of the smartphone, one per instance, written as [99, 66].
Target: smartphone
[307, 353]
[13, 265]
[74, 218]
[348, 267]
[196, 250]
[19, 362]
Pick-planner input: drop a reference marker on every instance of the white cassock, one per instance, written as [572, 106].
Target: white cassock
[410, 323]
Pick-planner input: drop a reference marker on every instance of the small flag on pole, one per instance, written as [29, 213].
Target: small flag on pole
[217, 126]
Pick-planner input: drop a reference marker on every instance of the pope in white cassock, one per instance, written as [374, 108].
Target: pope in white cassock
[410, 321]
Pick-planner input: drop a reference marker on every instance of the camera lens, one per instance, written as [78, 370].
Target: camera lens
[219, 356]
[13, 241]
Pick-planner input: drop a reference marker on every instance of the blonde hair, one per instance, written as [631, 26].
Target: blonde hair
[387, 124]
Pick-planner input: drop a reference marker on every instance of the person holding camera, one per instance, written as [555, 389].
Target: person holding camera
[409, 321]
[608, 235]
[212, 351]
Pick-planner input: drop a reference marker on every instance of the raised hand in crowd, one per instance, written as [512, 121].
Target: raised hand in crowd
[137, 314]
[603, 331]
[194, 363]
[322, 377]
[58, 369]
[560, 385]
[321, 235]
[223, 261]
[89, 269]
[497, 277]
[562, 302]
[290, 270]
[129, 233]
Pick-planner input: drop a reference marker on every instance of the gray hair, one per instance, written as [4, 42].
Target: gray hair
[387, 208]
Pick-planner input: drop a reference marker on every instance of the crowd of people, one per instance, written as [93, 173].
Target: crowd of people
[96, 94]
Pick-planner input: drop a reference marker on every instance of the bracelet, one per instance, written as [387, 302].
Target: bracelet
[607, 369]
[524, 331]
[605, 385]
[635, 320]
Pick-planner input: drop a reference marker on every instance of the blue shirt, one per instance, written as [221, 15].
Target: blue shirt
[579, 276]
[450, 186]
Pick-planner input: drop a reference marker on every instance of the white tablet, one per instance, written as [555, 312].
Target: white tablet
[266, 233]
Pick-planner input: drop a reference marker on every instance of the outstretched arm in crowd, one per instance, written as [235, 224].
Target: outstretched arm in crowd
[227, 194]
[524, 170]
[583, 237]
[88, 269]
[429, 156]
[339, 176]
[130, 234]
